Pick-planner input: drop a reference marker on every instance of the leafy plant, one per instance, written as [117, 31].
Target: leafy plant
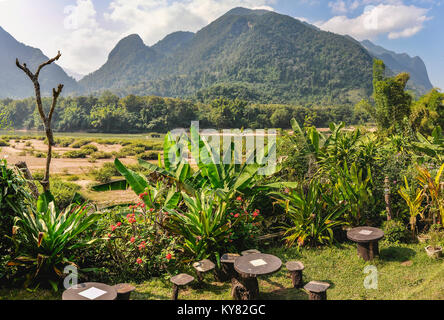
[44, 237]
[432, 187]
[312, 214]
[354, 190]
[204, 227]
[414, 203]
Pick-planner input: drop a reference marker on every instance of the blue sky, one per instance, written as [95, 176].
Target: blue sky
[86, 30]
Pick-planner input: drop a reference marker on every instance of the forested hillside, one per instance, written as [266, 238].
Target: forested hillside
[269, 57]
[14, 83]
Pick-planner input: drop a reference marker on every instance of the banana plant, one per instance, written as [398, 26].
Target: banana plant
[432, 146]
[44, 237]
[414, 203]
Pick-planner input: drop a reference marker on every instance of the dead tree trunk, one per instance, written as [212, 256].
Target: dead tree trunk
[46, 119]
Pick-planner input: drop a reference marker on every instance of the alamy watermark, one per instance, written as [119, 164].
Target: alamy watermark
[228, 146]
[371, 281]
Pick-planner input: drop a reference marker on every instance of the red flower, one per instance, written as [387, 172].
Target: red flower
[142, 245]
[119, 224]
[132, 239]
[168, 256]
[236, 215]
[255, 214]
[239, 198]
[113, 227]
[151, 209]
[142, 205]
[139, 261]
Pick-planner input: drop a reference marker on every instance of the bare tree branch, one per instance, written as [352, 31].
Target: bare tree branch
[45, 119]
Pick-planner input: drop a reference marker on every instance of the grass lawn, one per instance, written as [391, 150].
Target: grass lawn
[423, 278]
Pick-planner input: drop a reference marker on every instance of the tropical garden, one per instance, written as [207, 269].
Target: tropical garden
[192, 207]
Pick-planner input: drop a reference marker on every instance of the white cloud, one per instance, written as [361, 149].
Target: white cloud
[86, 44]
[393, 20]
[154, 19]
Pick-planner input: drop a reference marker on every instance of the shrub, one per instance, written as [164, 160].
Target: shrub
[133, 248]
[72, 178]
[131, 150]
[89, 149]
[38, 175]
[64, 192]
[79, 143]
[75, 154]
[395, 232]
[105, 173]
[148, 155]
[101, 155]
[3, 143]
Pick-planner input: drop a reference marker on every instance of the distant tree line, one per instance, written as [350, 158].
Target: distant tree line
[132, 114]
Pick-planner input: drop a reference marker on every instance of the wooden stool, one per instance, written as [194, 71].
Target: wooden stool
[202, 267]
[124, 291]
[179, 281]
[250, 251]
[227, 263]
[317, 290]
[295, 268]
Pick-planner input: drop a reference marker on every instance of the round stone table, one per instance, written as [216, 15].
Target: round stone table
[367, 239]
[90, 291]
[249, 267]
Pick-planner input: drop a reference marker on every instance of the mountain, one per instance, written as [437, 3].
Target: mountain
[397, 63]
[13, 81]
[257, 54]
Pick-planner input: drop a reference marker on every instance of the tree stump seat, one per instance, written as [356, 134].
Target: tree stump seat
[317, 290]
[124, 290]
[250, 251]
[203, 267]
[295, 269]
[178, 281]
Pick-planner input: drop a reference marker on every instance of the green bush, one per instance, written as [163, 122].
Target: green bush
[132, 248]
[395, 232]
[101, 155]
[72, 178]
[79, 143]
[148, 156]
[105, 173]
[75, 154]
[89, 149]
[64, 192]
[38, 175]
[3, 143]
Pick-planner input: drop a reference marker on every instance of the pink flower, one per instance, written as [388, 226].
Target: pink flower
[132, 239]
[236, 215]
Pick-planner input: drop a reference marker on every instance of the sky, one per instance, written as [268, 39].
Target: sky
[85, 31]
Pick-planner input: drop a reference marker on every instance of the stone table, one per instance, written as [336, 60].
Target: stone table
[367, 239]
[249, 268]
[90, 291]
